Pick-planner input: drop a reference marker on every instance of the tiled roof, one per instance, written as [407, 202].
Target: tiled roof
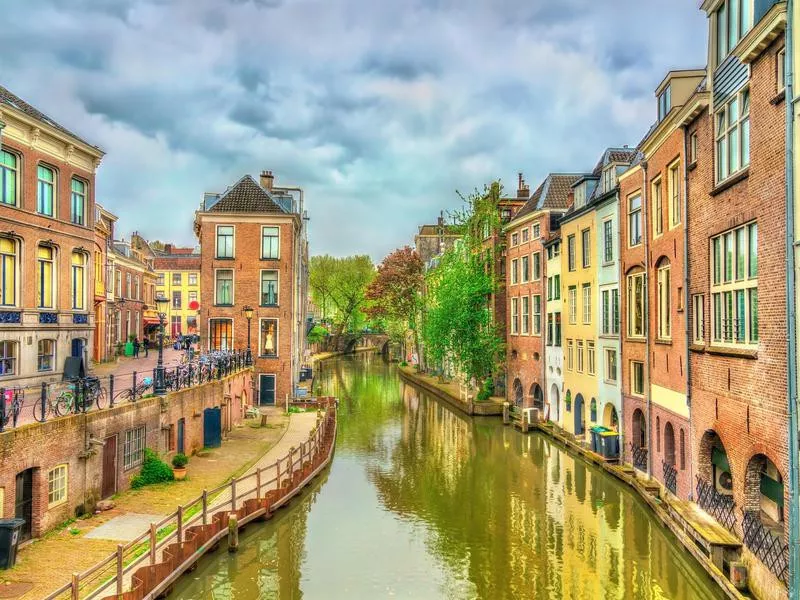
[248, 197]
[553, 193]
[10, 99]
[434, 230]
[612, 155]
[180, 262]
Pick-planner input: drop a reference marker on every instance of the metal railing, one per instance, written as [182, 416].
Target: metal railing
[720, 506]
[147, 561]
[767, 545]
[639, 457]
[670, 477]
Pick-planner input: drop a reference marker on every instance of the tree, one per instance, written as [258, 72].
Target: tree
[338, 286]
[394, 296]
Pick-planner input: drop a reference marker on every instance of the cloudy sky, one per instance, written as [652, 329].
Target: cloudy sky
[380, 109]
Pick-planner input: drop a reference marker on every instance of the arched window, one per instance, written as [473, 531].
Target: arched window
[9, 176]
[46, 356]
[682, 451]
[658, 434]
[78, 201]
[45, 277]
[78, 281]
[664, 304]
[45, 190]
[8, 271]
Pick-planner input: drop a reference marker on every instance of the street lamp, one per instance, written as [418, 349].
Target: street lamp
[160, 384]
[248, 314]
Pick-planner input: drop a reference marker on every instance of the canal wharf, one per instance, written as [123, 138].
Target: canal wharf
[453, 394]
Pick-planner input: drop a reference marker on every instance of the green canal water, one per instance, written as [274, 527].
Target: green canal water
[422, 502]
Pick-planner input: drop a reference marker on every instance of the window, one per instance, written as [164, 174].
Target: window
[176, 299]
[610, 316]
[78, 281]
[586, 249]
[177, 279]
[525, 233]
[526, 270]
[160, 279]
[136, 293]
[514, 271]
[635, 220]
[192, 278]
[587, 303]
[611, 365]
[268, 344]
[557, 339]
[570, 353]
[608, 241]
[615, 311]
[57, 486]
[8, 272]
[269, 288]
[733, 21]
[225, 235]
[514, 239]
[780, 66]
[693, 147]
[45, 294]
[579, 356]
[637, 378]
[609, 178]
[664, 304]
[192, 297]
[220, 334]
[674, 195]
[8, 358]
[45, 190]
[636, 305]
[572, 299]
[514, 316]
[526, 310]
[664, 102]
[536, 230]
[133, 448]
[176, 325]
[270, 242]
[658, 212]
[590, 357]
[9, 173]
[224, 287]
[537, 315]
[536, 258]
[580, 195]
[556, 287]
[128, 285]
[78, 202]
[698, 318]
[734, 289]
[733, 135]
[571, 252]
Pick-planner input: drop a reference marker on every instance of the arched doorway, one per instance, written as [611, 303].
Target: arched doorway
[763, 492]
[538, 398]
[518, 393]
[639, 427]
[713, 465]
[610, 416]
[669, 444]
[555, 403]
[579, 416]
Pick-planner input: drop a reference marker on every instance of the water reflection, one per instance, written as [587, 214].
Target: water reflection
[422, 502]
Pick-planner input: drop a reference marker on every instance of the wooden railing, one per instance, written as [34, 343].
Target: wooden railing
[147, 565]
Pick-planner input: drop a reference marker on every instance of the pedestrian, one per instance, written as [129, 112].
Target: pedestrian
[146, 346]
[136, 346]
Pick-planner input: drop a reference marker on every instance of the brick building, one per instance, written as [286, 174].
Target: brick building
[47, 188]
[433, 240]
[178, 272]
[132, 312]
[104, 343]
[254, 254]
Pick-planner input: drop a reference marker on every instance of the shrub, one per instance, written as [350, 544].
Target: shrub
[487, 389]
[404, 364]
[154, 470]
[180, 460]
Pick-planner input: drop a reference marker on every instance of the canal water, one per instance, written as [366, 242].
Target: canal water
[422, 502]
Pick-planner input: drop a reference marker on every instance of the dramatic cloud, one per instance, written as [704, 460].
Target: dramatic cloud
[380, 110]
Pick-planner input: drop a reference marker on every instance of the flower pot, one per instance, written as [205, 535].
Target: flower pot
[180, 474]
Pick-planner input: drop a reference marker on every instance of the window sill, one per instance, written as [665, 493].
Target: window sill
[269, 305]
[224, 258]
[277, 258]
[663, 342]
[609, 336]
[733, 352]
[691, 166]
[609, 382]
[779, 98]
[268, 356]
[730, 181]
[636, 340]
[697, 347]
[223, 305]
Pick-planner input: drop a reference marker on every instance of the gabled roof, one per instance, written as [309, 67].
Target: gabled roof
[553, 193]
[14, 101]
[246, 196]
[614, 155]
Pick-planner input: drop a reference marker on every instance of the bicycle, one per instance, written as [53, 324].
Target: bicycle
[73, 398]
[141, 388]
[16, 404]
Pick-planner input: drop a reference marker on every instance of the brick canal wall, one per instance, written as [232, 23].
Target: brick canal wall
[85, 443]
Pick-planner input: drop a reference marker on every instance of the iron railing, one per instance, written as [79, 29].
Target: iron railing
[720, 506]
[670, 477]
[766, 545]
[639, 456]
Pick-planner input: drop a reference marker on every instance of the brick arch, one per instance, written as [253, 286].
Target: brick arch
[661, 261]
[706, 443]
[518, 391]
[635, 268]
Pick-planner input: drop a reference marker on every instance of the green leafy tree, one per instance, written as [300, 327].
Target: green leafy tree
[338, 286]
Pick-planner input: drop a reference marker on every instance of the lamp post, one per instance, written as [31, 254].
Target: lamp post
[160, 387]
[248, 314]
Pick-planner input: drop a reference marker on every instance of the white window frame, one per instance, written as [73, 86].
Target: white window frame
[514, 316]
[526, 232]
[40, 356]
[525, 268]
[631, 279]
[674, 191]
[634, 391]
[57, 485]
[634, 216]
[14, 172]
[610, 359]
[535, 234]
[514, 271]
[525, 314]
[572, 301]
[730, 132]
[277, 337]
[233, 331]
[536, 266]
[571, 253]
[586, 248]
[586, 293]
[780, 70]
[727, 37]
[664, 302]
[9, 355]
[729, 289]
[192, 279]
[698, 318]
[264, 227]
[579, 356]
[135, 441]
[590, 357]
[657, 204]
[514, 239]
[536, 327]
[261, 286]
[570, 355]
[608, 241]
[233, 242]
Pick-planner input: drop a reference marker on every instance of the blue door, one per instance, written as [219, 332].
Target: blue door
[77, 347]
[578, 412]
[266, 390]
[212, 428]
[181, 435]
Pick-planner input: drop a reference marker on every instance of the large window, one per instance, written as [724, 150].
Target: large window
[554, 329]
[177, 278]
[608, 241]
[8, 358]
[536, 266]
[586, 248]
[224, 287]
[45, 190]
[733, 135]
[176, 326]
[8, 272]
[664, 304]
[269, 288]
[734, 287]
[664, 102]
[220, 334]
[45, 266]
[270, 242]
[579, 356]
[514, 316]
[78, 281]
[570, 355]
[556, 287]
[571, 252]
[587, 303]
[537, 315]
[192, 278]
[572, 300]
[136, 290]
[57, 486]
[268, 337]
[637, 378]
[9, 174]
[526, 269]
[674, 194]
[610, 299]
[514, 271]
[176, 300]
[611, 365]
[526, 316]
[658, 208]
[78, 202]
[636, 305]
[133, 448]
[635, 220]
[225, 235]
[698, 318]
[590, 357]
[733, 20]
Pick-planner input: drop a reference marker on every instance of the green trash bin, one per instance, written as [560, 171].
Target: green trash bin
[9, 539]
[595, 432]
[129, 348]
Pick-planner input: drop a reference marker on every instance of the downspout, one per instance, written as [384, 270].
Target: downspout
[646, 317]
[791, 299]
[688, 308]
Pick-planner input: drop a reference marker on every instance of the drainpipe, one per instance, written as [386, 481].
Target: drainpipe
[646, 316]
[791, 299]
[688, 308]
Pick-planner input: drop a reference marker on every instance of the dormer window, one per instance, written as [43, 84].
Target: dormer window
[609, 178]
[580, 195]
[733, 19]
[664, 102]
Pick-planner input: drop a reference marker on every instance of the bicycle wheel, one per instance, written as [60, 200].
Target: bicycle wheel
[100, 398]
[63, 404]
[37, 411]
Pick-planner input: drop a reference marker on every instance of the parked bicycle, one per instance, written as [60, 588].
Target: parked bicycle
[139, 391]
[80, 396]
[15, 400]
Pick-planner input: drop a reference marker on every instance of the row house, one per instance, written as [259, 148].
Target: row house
[104, 341]
[47, 189]
[254, 275]
[132, 313]
[178, 272]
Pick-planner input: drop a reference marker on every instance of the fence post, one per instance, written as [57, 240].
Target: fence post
[278, 474]
[180, 523]
[2, 409]
[233, 494]
[120, 559]
[133, 395]
[84, 395]
[258, 483]
[75, 588]
[153, 542]
[205, 507]
[43, 400]
[190, 375]
[14, 410]
[111, 389]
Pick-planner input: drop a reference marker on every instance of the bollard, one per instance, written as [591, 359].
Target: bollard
[233, 532]
[43, 400]
[111, 390]
[2, 409]
[506, 416]
[133, 388]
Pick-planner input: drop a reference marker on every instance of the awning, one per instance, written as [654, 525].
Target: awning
[150, 322]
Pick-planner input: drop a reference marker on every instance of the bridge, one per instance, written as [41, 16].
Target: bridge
[350, 342]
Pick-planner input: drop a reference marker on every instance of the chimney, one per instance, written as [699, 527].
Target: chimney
[523, 191]
[168, 248]
[266, 180]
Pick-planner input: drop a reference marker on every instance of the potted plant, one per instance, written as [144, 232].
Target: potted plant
[179, 466]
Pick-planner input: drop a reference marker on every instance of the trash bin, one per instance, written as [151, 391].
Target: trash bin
[609, 444]
[595, 443]
[9, 538]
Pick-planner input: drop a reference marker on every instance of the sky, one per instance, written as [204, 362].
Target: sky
[379, 109]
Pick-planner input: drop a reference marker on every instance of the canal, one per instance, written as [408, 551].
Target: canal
[422, 502]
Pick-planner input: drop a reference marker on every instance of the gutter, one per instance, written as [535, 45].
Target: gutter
[646, 316]
[688, 308]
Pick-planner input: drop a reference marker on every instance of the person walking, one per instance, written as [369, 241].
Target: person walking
[136, 346]
[146, 346]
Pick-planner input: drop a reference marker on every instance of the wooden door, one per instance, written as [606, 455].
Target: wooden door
[24, 502]
[109, 487]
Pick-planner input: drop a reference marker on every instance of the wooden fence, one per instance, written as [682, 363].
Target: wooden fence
[147, 566]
